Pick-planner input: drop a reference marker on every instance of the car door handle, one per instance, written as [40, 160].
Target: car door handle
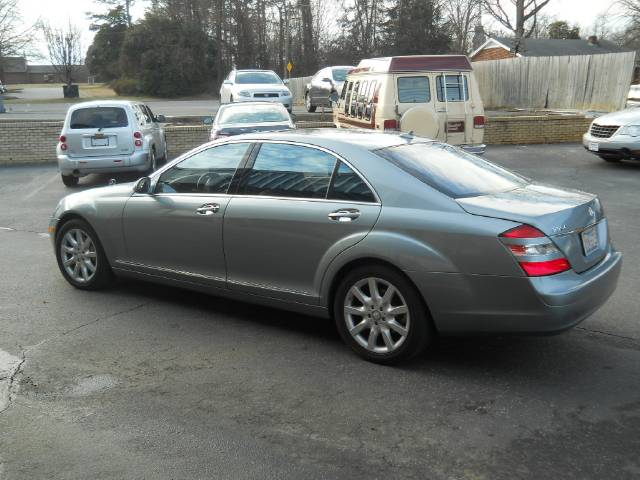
[208, 209]
[344, 215]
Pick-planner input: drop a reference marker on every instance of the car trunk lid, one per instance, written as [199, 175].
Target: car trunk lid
[574, 220]
[99, 131]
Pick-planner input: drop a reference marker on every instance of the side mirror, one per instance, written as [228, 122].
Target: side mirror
[161, 119]
[334, 97]
[325, 79]
[143, 185]
[207, 120]
[285, 81]
[227, 82]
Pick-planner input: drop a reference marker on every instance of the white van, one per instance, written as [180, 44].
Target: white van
[434, 96]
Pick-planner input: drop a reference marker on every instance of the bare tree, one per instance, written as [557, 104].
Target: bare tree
[14, 40]
[65, 49]
[462, 16]
[526, 11]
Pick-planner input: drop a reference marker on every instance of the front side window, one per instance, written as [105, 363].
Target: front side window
[257, 77]
[456, 88]
[283, 170]
[347, 185]
[98, 117]
[340, 74]
[450, 170]
[208, 171]
[414, 90]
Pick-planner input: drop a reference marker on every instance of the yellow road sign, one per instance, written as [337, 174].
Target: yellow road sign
[289, 66]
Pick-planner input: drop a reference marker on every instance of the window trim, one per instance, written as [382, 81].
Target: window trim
[254, 153]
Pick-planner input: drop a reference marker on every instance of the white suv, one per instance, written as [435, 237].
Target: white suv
[108, 137]
[253, 85]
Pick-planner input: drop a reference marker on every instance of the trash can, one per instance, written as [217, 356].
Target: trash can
[70, 91]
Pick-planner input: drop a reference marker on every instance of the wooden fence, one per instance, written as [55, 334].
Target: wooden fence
[583, 82]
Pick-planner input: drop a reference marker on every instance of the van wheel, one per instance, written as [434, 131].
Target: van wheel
[380, 315]
[70, 180]
[230, 98]
[307, 101]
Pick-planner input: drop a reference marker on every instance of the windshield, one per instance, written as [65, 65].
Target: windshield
[340, 74]
[450, 170]
[99, 117]
[253, 114]
[257, 77]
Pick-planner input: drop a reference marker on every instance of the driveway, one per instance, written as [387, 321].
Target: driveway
[144, 381]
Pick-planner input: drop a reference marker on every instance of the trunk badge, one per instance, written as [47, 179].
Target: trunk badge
[591, 212]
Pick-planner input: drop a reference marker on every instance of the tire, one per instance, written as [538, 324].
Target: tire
[165, 153]
[153, 162]
[390, 345]
[307, 101]
[70, 180]
[230, 98]
[96, 273]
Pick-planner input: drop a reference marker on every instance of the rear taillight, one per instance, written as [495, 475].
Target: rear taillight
[63, 139]
[479, 121]
[138, 139]
[536, 254]
[137, 135]
[63, 144]
[390, 125]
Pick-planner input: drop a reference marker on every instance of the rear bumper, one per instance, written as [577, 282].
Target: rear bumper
[463, 304]
[80, 166]
[475, 149]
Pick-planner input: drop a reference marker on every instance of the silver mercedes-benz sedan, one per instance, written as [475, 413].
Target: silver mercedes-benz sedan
[396, 237]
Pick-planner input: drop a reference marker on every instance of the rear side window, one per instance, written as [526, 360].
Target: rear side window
[98, 117]
[283, 170]
[347, 185]
[455, 86]
[451, 170]
[208, 171]
[414, 90]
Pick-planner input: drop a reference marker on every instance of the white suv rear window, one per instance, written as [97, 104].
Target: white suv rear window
[99, 117]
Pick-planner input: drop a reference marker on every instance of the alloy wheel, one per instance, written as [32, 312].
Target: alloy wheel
[376, 315]
[79, 255]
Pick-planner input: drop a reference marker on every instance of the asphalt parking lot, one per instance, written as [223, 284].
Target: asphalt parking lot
[144, 381]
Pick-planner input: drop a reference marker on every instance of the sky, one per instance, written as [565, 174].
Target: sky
[59, 12]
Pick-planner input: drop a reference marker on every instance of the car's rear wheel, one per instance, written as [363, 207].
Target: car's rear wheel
[307, 101]
[70, 180]
[153, 162]
[80, 256]
[380, 315]
[230, 98]
[165, 152]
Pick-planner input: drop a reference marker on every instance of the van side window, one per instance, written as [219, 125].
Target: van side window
[362, 96]
[354, 98]
[347, 100]
[414, 90]
[368, 109]
[456, 86]
[343, 94]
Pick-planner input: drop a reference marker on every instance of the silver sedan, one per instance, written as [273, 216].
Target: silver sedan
[397, 238]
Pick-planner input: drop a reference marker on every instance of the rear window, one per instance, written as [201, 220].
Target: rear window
[414, 90]
[99, 117]
[455, 86]
[450, 170]
[253, 114]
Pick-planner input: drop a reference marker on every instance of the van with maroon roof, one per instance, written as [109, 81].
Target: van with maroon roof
[433, 96]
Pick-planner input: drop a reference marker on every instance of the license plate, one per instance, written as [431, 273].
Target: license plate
[455, 127]
[99, 141]
[593, 146]
[589, 239]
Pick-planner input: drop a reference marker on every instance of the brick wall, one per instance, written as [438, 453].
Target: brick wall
[496, 53]
[535, 129]
[35, 142]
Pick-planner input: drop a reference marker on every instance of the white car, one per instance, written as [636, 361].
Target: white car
[615, 136]
[253, 85]
[633, 98]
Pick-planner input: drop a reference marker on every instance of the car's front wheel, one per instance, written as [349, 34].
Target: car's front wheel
[310, 107]
[69, 180]
[380, 315]
[80, 256]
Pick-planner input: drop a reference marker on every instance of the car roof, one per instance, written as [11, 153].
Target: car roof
[102, 103]
[337, 140]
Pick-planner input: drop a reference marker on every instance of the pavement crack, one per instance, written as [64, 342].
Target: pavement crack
[9, 392]
[600, 332]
